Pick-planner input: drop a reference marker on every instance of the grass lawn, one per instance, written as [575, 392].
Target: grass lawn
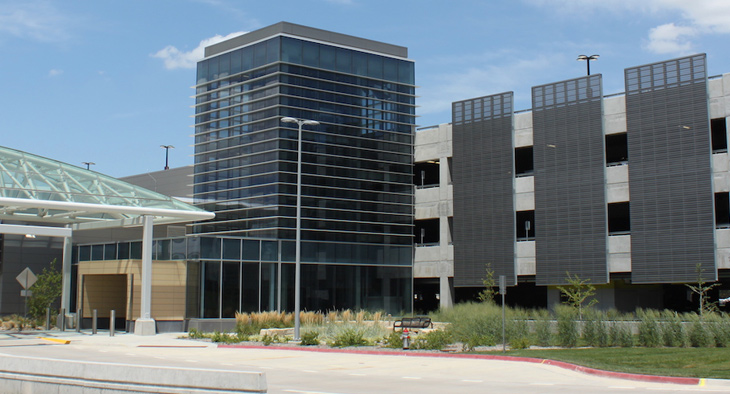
[683, 362]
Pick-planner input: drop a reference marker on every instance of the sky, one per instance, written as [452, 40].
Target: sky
[108, 82]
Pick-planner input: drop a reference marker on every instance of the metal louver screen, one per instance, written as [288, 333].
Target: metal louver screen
[670, 173]
[570, 202]
[483, 166]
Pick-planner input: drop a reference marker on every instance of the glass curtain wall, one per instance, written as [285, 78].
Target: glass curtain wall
[357, 164]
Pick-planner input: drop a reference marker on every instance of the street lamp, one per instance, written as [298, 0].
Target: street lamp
[298, 253]
[88, 163]
[167, 154]
[588, 61]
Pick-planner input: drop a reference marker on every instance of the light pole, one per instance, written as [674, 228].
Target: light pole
[588, 61]
[298, 247]
[88, 164]
[167, 154]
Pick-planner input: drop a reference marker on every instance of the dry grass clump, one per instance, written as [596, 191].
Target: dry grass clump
[268, 319]
[273, 319]
[377, 316]
[242, 318]
[312, 318]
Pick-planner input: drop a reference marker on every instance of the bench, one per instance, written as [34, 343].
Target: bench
[413, 322]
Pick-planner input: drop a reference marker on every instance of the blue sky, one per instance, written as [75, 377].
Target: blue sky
[110, 81]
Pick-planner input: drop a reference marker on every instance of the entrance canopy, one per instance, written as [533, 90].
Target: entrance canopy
[38, 189]
[63, 198]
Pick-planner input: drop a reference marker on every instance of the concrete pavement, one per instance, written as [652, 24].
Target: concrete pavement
[307, 370]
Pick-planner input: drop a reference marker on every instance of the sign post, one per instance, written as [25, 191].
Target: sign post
[503, 291]
[26, 278]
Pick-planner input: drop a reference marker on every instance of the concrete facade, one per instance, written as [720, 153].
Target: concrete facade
[436, 261]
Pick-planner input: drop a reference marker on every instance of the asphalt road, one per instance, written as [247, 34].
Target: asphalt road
[297, 371]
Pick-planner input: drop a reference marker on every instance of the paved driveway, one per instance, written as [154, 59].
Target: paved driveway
[297, 371]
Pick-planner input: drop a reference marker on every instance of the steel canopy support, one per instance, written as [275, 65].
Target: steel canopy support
[145, 325]
[66, 274]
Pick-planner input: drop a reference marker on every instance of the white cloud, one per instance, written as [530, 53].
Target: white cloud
[175, 58]
[494, 72]
[712, 16]
[670, 38]
[685, 19]
[55, 72]
[38, 21]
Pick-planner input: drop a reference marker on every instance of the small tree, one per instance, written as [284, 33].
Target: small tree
[46, 290]
[487, 295]
[578, 292]
[701, 290]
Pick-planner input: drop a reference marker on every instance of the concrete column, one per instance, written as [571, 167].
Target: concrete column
[446, 289]
[145, 325]
[66, 273]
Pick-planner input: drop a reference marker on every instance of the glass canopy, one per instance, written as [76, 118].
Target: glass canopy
[38, 189]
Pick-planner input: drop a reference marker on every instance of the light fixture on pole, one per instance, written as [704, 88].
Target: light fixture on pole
[88, 164]
[167, 154]
[588, 61]
[298, 253]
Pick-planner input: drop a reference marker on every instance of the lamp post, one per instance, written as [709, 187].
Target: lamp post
[588, 61]
[298, 247]
[88, 164]
[167, 154]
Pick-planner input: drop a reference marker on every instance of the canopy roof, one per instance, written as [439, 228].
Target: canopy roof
[38, 189]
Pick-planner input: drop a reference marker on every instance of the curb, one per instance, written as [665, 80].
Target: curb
[61, 341]
[555, 363]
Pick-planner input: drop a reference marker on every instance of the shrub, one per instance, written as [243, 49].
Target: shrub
[350, 336]
[434, 340]
[699, 335]
[268, 339]
[595, 332]
[241, 336]
[519, 343]
[649, 332]
[719, 328]
[620, 335]
[195, 334]
[310, 338]
[474, 324]
[219, 337]
[246, 329]
[517, 329]
[543, 328]
[393, 340]
[46, 291]
[673, 332]
[567, 327]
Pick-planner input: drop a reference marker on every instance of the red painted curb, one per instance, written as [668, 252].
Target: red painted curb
[555, 363]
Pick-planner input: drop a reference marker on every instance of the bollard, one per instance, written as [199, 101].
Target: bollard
[111, 323]
[93, 322]
[79, 320]
[406, 339]
[48, 319]
[62, 319]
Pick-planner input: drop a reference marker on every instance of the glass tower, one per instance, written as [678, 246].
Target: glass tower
[357, 165]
